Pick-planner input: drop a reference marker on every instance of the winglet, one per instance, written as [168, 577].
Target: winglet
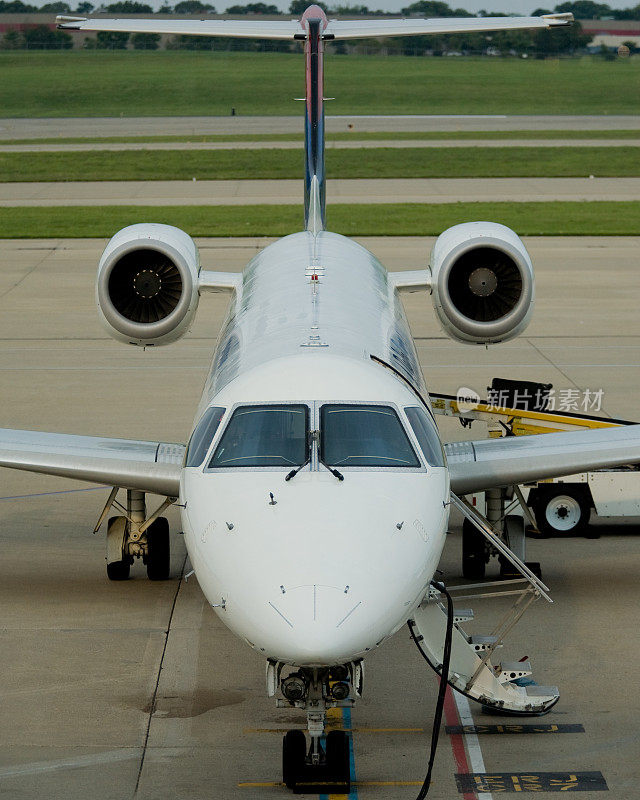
[562, 19]
[67, 22]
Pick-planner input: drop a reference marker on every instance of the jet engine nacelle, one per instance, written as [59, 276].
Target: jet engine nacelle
[482, 282]
[147, 284]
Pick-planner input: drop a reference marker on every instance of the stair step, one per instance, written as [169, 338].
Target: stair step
[542, 691]
[482, 643]
[462, 615]
[512, 670]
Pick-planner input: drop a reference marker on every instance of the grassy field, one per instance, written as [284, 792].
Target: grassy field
[444, 162]
[410, 219]
[108, 83]
[355, 135]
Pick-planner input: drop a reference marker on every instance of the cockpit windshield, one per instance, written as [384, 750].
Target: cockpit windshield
[364, 436]
[427, 435]
[202, 436]
[264, 436]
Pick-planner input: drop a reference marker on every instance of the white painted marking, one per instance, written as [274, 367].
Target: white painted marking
[474, 751]
[34, 767]
[416, 116]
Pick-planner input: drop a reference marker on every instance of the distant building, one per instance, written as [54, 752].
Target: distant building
[611, 32]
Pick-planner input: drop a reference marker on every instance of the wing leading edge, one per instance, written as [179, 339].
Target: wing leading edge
[148, 466]
[487, 463]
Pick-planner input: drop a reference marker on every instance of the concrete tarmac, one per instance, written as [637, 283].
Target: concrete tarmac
[299, 145]
[46, 127]
[278, 192]
[123, 690]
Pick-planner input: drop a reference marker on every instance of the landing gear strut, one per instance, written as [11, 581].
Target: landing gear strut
[321, 766]
[136, 535]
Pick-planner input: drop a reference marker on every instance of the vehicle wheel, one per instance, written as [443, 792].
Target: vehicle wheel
[158, 553]
[338, 762]
[294, 752]
[117, 570]
[565, 510]
[474, 552]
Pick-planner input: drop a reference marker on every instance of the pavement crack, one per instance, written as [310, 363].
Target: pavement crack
[28, 273]
[560, 370]
[157, 684]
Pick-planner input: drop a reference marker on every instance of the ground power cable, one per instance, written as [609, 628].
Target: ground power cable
[444, 674]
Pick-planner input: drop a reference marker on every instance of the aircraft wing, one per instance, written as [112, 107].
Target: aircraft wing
[149, 466]
[290, 28]
[487, 463]
[362, 29]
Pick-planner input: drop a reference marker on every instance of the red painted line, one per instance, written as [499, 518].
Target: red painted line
[457, 740]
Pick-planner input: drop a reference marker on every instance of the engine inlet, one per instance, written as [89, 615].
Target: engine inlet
[145, 286]
[485, 284]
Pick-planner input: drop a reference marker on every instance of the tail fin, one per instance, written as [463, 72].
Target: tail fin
[314, 23]
[314, 29]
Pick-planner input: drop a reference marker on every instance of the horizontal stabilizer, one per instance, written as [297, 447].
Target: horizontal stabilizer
[292, 28]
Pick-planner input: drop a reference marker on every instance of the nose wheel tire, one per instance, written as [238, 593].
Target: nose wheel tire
[294, 753]
[331, 777]
[158, 553]
[338, 762]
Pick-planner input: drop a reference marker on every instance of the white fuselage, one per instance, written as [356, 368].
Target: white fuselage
[314, 571]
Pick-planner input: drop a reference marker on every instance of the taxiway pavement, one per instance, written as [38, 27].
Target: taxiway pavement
[394, 144]
[41, 127]
[282, 192]
[136, 689]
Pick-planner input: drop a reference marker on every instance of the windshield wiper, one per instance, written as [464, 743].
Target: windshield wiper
[295, 471]
[314, 436]
[333, 471]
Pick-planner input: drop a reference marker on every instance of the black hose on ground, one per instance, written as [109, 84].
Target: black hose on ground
[444, 674]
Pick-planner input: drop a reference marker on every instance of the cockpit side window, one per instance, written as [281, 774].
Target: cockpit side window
[202, 436]
[427, 435]
[264, 436]
[364, 436]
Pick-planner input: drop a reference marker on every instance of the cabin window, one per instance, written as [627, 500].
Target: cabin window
[364, 436]
[202, 436]
[264, 436]
[427, 435]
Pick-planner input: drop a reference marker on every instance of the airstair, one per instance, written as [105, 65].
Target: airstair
[505, 686]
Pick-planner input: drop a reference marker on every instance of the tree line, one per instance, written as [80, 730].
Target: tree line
[581, 9]
[538, 43]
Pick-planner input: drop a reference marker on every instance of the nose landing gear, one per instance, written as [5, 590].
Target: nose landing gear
[324, 766]
[323, 770]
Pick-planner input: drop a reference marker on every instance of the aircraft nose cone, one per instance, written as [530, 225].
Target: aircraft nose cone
[314, 621]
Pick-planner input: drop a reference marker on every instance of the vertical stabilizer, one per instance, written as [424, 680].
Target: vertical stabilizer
[314, 23]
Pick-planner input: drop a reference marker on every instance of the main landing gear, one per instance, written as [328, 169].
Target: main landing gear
[321, 766]
[134, 535]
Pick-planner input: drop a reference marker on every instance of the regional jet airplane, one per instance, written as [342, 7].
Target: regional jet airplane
[314, 490]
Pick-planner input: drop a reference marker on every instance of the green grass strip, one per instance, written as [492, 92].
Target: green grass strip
[441, 162]
[103, 83]
[354, 135]
[403, 219]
